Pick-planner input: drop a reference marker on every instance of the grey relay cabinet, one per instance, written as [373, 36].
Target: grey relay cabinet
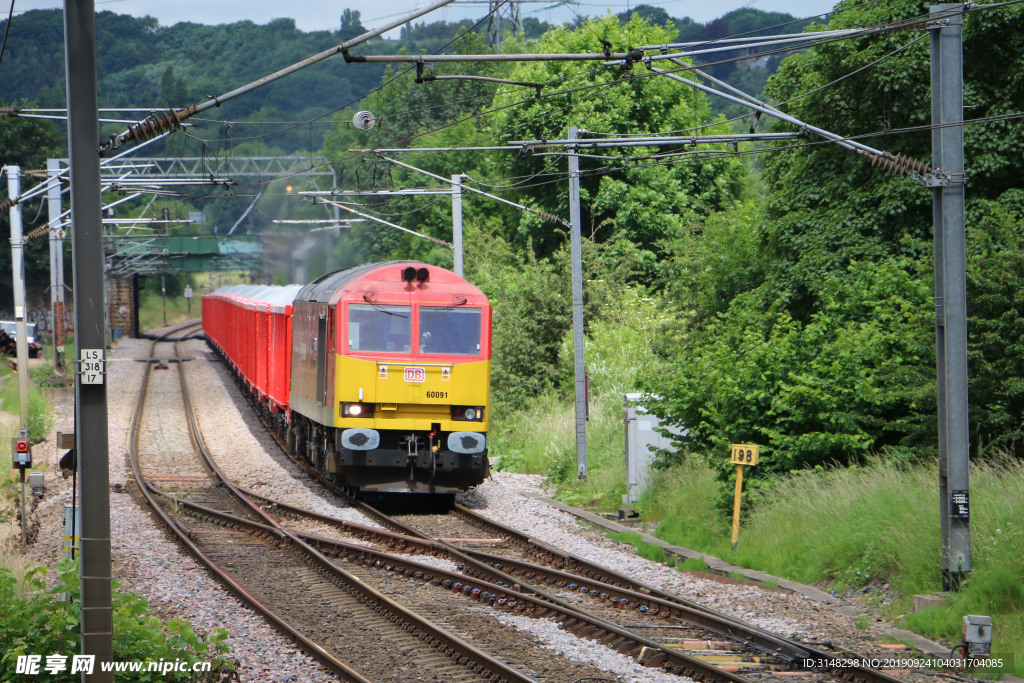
[642, 439]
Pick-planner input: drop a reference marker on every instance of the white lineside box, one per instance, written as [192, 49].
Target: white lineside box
[642, 440]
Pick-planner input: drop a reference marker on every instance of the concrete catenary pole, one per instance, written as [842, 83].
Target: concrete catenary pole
[18, 275]
[950, 291]
[576, 253]
[54, 208]
[90, 331]
[457, 221]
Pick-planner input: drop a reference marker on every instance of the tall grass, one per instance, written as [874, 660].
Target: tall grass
[542, 440]
[40, 412]
[8, 496]
[849, 527]
[151, 311]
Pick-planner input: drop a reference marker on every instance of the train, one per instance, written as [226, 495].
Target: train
[378, 376]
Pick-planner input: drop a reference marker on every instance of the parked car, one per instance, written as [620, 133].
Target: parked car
[9, 339]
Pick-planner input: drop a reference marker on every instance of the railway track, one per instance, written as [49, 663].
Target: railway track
[359, 633]
[676, 624]
[514, 559]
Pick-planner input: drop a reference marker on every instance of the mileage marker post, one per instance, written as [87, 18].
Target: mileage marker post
[742, 454]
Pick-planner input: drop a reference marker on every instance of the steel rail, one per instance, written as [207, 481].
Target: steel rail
[498, 568]
[727, 625]
[613, 578]
[322, 655]
[495, 574]
[767, 640]
[457, 648]
[507, 597]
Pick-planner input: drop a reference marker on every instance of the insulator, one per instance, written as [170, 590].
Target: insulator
[549, 216]
[7, 112]
[899, 164]
[156, 124]
[364, 120]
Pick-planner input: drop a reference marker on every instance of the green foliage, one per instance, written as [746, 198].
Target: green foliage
[808, 328]
[638, 203]
[713, 261]
[995, 292]
[855, 526]
[35, 619]
[40, 415]
[682, 500]
[531, 316]
[152, 313]
[40, 412]
[826, 206]
[539, 436]
[26, 143]
[813, 393]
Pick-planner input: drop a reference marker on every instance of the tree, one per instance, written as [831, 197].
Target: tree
[832, 353]
[828, 206]
[27, 143]
[173, 90]
[815, 392]
[351, 25]
[638, 202]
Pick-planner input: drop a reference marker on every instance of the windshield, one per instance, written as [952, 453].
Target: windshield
[450, 331]
[379, 328]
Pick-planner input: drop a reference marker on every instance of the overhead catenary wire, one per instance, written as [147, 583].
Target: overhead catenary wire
[171, 120]
[345, 207]
[374, 90]
[313, 120]
[7, 32]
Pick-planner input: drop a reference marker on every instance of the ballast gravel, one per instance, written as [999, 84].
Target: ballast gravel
[149, 563]
[578, 649]
[505, 498]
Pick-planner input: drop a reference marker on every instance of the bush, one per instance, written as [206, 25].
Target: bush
[37, 620]
[857, 375]
[40, 415]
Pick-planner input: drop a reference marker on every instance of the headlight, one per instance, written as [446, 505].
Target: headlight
[468, 413]
[356, 410]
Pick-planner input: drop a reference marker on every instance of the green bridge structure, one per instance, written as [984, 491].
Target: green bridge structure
[164, 254]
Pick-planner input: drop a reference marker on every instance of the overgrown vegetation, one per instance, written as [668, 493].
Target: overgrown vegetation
[40, 412]
[36, 619]
[869, 524]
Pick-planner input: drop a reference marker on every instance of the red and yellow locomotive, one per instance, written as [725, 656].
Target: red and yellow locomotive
[388, 369]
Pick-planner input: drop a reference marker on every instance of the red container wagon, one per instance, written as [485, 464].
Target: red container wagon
[250, 327]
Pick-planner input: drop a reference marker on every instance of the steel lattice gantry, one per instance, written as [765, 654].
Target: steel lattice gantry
[213, 168]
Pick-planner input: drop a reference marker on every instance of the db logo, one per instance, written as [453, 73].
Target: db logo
[415, 374]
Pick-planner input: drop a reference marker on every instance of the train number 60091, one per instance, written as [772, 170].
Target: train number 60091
[437, 394]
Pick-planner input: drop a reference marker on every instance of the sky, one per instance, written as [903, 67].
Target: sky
[311, 15]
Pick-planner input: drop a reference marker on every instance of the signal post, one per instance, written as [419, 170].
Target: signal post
[21, 458]
[742, 454]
